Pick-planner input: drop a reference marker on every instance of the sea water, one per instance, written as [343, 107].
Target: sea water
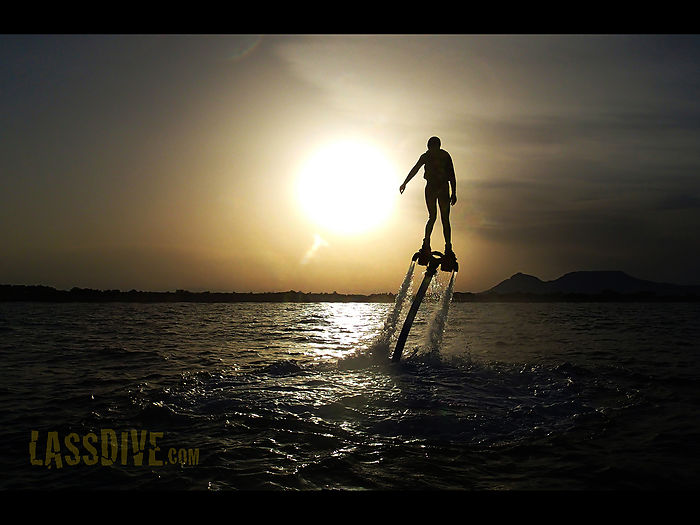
[294, 396]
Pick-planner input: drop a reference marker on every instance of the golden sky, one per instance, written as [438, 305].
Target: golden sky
[176, 162]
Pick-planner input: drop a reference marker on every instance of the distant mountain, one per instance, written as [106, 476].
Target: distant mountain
[589, 282]
[520, 283]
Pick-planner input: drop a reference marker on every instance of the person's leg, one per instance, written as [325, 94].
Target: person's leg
[431, 203]
[444, 202]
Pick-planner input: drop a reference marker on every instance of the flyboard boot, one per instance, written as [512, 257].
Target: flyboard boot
[449, 260]
[424, 254]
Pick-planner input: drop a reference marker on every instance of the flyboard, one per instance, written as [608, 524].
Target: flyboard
[432, 262]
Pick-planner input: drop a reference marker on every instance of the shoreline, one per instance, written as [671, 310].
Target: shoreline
[40, 293]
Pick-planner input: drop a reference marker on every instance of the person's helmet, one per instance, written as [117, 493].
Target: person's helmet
[433, 143]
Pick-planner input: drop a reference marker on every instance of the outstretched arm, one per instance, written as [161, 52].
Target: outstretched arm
[412, 173]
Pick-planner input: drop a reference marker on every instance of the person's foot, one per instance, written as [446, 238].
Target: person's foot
[424, 254]
[449, 261]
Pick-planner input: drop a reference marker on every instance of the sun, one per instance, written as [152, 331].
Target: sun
[348, 187]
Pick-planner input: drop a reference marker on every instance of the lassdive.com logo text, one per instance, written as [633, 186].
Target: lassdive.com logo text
[128, 447]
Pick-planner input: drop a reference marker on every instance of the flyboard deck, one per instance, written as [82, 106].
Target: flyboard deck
[436, 260]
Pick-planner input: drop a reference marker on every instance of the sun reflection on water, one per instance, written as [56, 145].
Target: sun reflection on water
[344, 328]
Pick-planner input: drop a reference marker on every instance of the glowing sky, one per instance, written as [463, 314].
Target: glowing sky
[165, 162]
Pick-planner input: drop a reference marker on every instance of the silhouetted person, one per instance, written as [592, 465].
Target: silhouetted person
[439, 176]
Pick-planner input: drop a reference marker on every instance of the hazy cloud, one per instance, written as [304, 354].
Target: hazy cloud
[318, 243]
